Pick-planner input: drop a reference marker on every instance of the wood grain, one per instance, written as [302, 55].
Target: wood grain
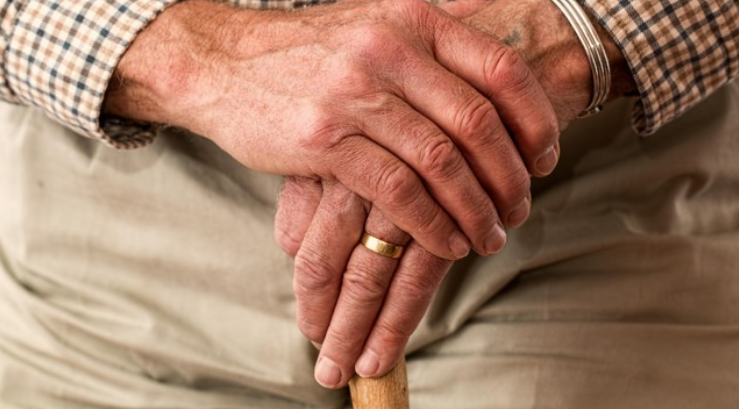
[388, 392]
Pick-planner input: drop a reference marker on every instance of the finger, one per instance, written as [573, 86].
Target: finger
[363, 287]
[297, 203]
[472, 121]
[335, 230]
[500, 74]
[447, 175]
[462, 9]
[389, 184]
[413, 286]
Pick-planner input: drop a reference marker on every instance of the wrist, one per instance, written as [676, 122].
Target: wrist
[545, 39]
[165, 73]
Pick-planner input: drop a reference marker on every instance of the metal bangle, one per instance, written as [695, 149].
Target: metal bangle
[594, 50]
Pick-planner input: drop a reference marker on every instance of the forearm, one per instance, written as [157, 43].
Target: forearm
[165, 73]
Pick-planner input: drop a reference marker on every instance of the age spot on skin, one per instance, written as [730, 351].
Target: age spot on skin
[512, 39]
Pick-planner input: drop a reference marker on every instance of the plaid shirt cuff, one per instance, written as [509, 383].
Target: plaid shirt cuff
[679, 51]
[59, 56]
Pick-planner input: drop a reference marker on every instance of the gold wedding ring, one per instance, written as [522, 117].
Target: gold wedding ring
[382, 247]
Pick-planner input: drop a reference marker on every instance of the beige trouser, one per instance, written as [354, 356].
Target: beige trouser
[150, 279]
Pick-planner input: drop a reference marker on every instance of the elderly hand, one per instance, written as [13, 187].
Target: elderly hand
[391, 98]
[352, 300]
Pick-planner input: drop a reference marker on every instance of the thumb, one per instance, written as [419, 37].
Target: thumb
[464, 8]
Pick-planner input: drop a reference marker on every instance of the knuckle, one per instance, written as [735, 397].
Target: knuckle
[506, 69]
[364, 287]
[309, 328]
[422, 285]
[431, 223]
[370, 41]
[518, 184]
[479, 117]
[394, 332]
[549, 130]
[496, 136]
[544, 134]
[312, 274]
[418, 16]
[483, 215]
[296, 187]
[287, 242]
[324, 130]
[355, 78]
[399, 189]
[420, 10]
[439, 158]
[540, 131]
[343, 345]
[543, 131]
[417, 287]
[380, 106]
[398, 185]
[338, 199]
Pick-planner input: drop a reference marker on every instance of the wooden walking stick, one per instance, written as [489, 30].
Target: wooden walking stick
[388, 392]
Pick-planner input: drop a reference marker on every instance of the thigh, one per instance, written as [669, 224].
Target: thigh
[620, 292]
[142, 279]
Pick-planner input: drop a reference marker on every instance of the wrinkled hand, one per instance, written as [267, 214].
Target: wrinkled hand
[366, 327]
[391, 98]
[361, 306]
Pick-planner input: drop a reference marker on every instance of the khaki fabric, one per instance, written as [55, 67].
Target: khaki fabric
[149, 279]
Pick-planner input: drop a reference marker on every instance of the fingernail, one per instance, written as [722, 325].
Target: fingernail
[316, 345]
[327, 373]
[495, 240]
[459, 245]
[519, 215]
[367, 365]
[547, 161]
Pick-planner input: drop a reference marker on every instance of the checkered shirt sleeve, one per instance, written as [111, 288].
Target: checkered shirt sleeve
[679, 51]
[59, 55]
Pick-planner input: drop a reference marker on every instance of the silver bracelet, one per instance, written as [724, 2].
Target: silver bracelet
[594, 50]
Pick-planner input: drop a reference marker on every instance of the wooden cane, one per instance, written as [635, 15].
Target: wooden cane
[387, 392]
